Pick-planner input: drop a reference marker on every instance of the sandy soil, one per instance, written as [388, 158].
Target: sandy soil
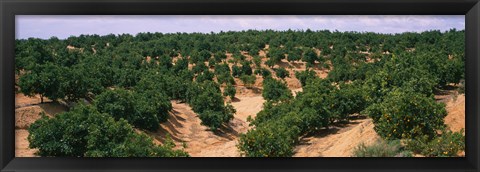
[296, 91]
[184, 126]
[455, 119]
[248, 106]
[21, 144]
[338, 141]
[455, 106]
[22, 101]
[27, 111]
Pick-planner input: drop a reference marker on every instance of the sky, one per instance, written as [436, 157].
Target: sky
[46, 26]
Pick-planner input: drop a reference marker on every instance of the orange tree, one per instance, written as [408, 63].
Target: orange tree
[85, 132]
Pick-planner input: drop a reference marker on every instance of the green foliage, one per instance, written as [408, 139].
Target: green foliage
[345, 101]
[76, 84]
[447, 144]
[275, 56]
[279, 125]
[180, 65]
[56, 82]
[461, 87]
[126, 77]
[246, 69]
[236, 71]
[309, 56]
[270, 63]
[386, 83]
[206, 99]
[238, 57]
[274, 90]
[294, 55]
[230, 91]
[264, 72]
[204, 76]
[31, 52]
[268, 141]
[220, 56]
[199, 68]
[165, 62]
[305, 76]
[405, 114]
[143, 110]
[174, 86]
[84, 132]
[381, 149]
[248, 80]
[222, 71]
[211, 63]
[281, 72]
[200, 57]
[42, 80]
[152, 103]
[257, 60]
[209, 98]
[215, 119]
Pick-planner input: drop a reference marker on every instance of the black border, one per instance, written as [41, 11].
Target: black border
[10, 8]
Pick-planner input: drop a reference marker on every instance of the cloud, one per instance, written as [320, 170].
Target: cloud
[45, 26]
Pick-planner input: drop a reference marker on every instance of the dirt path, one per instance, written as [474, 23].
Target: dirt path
[184, 126]
[338, 141]
[248, 106]
[21, 144]
[455, 119]
[27, 110]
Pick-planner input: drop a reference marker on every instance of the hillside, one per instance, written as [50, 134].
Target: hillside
[229, 94]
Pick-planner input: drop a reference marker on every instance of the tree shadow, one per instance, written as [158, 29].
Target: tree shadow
[318, 134]
[177, 117]
[297, 65]
[161, 135]
[334, 128]
[53, 108]
[235, 99]
[227, 132]
[445, 90]
[256, 90]
[283, 64]
[163, 131]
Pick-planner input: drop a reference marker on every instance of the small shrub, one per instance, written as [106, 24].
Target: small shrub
[236, 71]
[206, 100]
[407, 115]
[268, 141]
[248, 80]
[304, 76]
[448, 144]
[257, 60]
[274, 90]
[265, 73]
[230, 91]
[246, 69]
[381, 149]
[461, 87]
[281, 73]
[215, 119]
